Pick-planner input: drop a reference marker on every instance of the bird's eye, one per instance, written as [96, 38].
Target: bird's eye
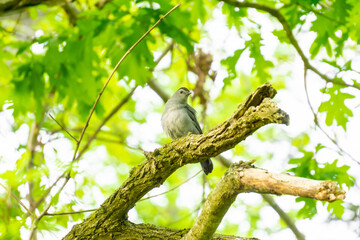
[181, 91]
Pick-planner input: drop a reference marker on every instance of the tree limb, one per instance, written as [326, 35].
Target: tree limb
[148, 231]
[258, 110]
[242, 177]
[270, 200]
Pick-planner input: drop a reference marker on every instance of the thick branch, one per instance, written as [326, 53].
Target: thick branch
[258, 110]
[269, 199]
[148, 231]
[242, 177]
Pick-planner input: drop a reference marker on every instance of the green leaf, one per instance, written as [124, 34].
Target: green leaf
[281, 35]
[335, 108]
[230, 63]
[177, 35]
[339, 10]
[336, 208]
[319, 147]
[339, 174]
[6, 75]
[234, 15]
[324, 29]
[309, 210]
[261, 65]
[306, 165]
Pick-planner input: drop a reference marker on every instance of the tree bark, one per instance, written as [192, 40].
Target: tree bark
[242, 177]
[131, 231]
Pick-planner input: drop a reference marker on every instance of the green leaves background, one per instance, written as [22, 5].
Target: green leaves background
[54, 60]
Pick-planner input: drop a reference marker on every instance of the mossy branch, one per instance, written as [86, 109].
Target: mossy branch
[242, 177]
[258, 110]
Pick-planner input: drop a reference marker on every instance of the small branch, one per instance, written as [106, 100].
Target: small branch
[163, 54]
[261, 181]
[152, 83]
[38, 218]
[63, 128]
[69, 213]
[154, 86]
[318, 124]
[241, 178]
[288, 221]
[171, 189]
[106, 119]
[38, 202]
[16, 198]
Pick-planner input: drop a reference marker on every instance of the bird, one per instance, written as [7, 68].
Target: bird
[179, 119]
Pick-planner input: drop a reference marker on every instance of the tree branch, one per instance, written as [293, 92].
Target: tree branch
[242, 177]
[148, 231]
[269, 199]
[258, 110]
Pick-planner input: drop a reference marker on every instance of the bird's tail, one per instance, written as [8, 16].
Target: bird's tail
[207, 166]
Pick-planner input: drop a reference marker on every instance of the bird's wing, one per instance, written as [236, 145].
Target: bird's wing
[192, 114]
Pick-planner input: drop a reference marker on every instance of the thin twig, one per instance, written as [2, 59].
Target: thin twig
[156, 195]
[16, 198]
[270, 200]
[36, 220]
[68, 213]
[318, 124]
[112, 73]
[106, 119]
[187, 215]
[38, 202]
[63, 128]
[155, 86]
[163, 54]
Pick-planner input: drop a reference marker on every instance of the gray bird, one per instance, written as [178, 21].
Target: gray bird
[179, 118]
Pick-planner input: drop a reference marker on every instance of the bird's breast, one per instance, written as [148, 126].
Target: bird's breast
[177, 123]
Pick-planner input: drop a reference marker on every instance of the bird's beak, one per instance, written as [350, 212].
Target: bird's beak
[189, 93]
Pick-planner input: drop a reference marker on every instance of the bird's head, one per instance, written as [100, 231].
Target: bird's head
[181, 95]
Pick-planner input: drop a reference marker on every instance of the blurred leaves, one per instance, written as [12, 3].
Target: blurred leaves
[49, 63]
[308, 167]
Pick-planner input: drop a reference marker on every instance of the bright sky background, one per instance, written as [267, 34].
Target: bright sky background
[220, 42]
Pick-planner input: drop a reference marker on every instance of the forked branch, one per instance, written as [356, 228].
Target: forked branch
[258, 110]
[242, 177]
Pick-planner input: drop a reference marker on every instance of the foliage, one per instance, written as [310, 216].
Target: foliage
[55, 59]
